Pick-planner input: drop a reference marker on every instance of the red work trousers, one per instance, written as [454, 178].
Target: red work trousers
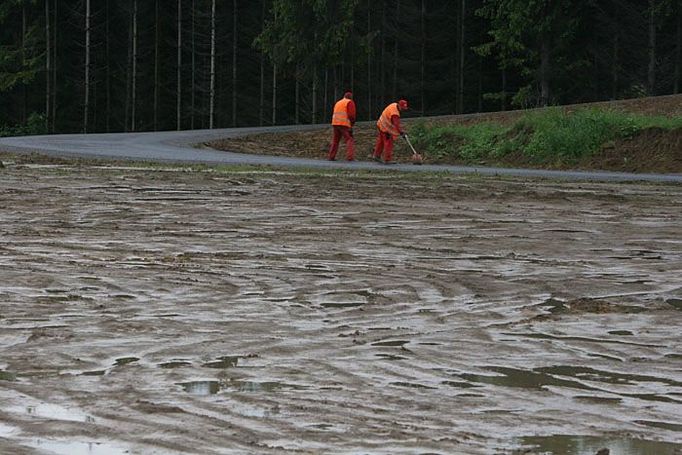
[384, 144]
[342, 131]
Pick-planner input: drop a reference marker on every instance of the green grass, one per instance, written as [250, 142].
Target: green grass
[548, 137]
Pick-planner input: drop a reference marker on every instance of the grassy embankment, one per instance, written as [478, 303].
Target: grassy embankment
[551, 138]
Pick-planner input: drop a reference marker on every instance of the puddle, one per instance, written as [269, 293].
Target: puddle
[411, 385]
[597, 400]
[322, 426]
[201, 387]
[511, 377]
[545, 336]
[459, 384]
[6, 431]
[391, 357]
[342, 304]
[590, 445]
[675, 303]
[663, 425]
[175, 364]
[396, 343]
[213, 387]
[541, 377]
[621, 332]
[586, 305]
[55, 412]
[7, 376]
[609, 377]
[223, 362]
[651, 397]
[77, 448]
[126, 360]
[94, 373]
[268, 386]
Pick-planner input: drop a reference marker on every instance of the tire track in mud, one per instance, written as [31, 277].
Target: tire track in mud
[168, 311]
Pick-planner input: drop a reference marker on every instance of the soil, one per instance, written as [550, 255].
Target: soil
[651, 151]
[149, 311]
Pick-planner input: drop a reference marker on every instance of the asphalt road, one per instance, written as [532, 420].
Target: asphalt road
[182, 147]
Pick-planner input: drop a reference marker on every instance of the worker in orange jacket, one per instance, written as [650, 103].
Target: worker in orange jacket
[343, 120]
[389, 128]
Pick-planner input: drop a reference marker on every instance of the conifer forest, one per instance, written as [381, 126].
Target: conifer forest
[142, 65]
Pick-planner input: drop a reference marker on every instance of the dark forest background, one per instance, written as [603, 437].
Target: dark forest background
[138, 65]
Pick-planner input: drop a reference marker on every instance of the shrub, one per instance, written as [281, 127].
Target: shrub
[35, 124]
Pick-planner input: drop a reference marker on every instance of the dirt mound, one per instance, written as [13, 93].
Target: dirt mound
[652, 150]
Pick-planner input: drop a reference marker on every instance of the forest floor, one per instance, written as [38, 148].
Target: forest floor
[652, 150]
[168, 310]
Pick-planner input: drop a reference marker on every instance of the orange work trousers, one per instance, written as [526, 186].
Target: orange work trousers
[339, 132]
[384, 144]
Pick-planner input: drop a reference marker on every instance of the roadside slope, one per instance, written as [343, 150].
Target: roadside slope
[653, 150]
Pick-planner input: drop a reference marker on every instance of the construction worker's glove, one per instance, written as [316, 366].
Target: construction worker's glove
[403, 134]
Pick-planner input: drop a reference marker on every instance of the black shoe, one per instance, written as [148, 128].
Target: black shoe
[390, 162]
[331, 159]
[377, 159]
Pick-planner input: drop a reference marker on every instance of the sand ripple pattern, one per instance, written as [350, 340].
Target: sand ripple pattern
[170, 312]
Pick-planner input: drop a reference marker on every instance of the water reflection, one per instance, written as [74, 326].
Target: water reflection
[590, 445]
[201, 387]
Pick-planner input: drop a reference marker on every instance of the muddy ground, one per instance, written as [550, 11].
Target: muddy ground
[151, 312]
[653, 150]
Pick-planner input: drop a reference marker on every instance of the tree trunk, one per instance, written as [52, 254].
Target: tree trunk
[297, 97]
[234, 63]
[129, 73]
[314, 101]
[544, 72]
[614, 67]
[178, 106]
[503, 103]
[382, 65]
[369, 63]
[274, 94]
[480, 85]
[261, 112]
[211, 109]
[678, 50]
[24, 92]
[156, 65]
[651, 73]
[394, 92]
[86, 104]
[460, 69]
[326, 91]
[335, 85]
[422, 58]
[107, 49]
[352, 69]
[54, 70]
[134, 79]
[193, 89]
[48, 63]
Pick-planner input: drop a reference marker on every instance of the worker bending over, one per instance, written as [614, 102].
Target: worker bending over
[389, 128]
[343, 120]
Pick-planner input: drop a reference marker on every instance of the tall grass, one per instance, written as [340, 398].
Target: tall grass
[549, 136]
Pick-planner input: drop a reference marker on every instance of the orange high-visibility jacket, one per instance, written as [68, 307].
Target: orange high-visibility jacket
[385, 122]
[340, 116]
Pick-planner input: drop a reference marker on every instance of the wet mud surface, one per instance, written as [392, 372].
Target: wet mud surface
[175, 312]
